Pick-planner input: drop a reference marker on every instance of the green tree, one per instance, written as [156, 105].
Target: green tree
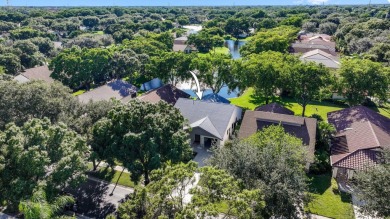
[237, 26]
[170, 67]
[265, 72]
[36, 154]
[91, 21]
[77, 67]
[276, 39]
[307, 81]
[11, 63]
[220, 187]
[36, 99]
[361, 78]
[142, 136]
[273, 161]
[165, 196]
[45, 45]
[37, 207]
[214, 70]
[372, 186]
[204, 41]
[30, 55]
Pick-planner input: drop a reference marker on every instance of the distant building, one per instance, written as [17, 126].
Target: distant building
[210, 123]
[180, 45]
[38, 73]
[311, 41]
[117, 89]
[321, 57]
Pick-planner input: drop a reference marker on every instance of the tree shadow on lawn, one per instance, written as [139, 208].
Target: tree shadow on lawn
[106, 174]
[260, 100]
[319, 183]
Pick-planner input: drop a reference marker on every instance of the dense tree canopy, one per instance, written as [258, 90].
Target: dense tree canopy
[165, 196]
[361, 78]
[272, 161]
[36, 99]
[142, 136]
[39, 154]
[276, 39]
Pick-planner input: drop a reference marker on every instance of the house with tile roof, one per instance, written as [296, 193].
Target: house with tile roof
[167, 93]
[321, 57]
[361, 135]
[311, 41]
[209, 123]
[274, 114]
[38, 73]
[116, 89]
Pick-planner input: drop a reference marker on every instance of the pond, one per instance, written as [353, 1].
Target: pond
[224, 92]
[234, 47]
[193, 29]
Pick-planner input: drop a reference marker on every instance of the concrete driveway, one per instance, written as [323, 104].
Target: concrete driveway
[202, 154]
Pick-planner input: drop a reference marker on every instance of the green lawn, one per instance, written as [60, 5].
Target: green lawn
[107, 174]
[78, 92]
[249, 101]
[216, 50]
[325, 201]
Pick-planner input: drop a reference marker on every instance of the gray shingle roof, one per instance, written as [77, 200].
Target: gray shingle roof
[117, 89]
[195, 112]
[38, 73]
[321, 57]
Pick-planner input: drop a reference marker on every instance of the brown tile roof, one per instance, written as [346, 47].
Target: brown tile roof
[167, 93]
[38, 73]
[274, 108]
[358, 160]
[301, 127]
[358, 129]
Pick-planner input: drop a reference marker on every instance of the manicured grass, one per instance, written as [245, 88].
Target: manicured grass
[78, 92]
[248, 100]
[107, 174]
[327, 200]
[216, 50]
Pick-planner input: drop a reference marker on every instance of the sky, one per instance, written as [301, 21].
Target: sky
[182, 2]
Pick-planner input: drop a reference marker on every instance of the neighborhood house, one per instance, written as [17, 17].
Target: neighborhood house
[210, 123]
[167, 93]
[273, 114]
[361, 135]
[38, 73]
[117, 89]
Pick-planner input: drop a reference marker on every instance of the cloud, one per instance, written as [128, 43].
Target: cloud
[318, 2]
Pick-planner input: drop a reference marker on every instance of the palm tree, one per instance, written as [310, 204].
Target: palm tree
[38, 206]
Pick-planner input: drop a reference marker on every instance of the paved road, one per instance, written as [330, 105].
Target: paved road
[94, 198]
